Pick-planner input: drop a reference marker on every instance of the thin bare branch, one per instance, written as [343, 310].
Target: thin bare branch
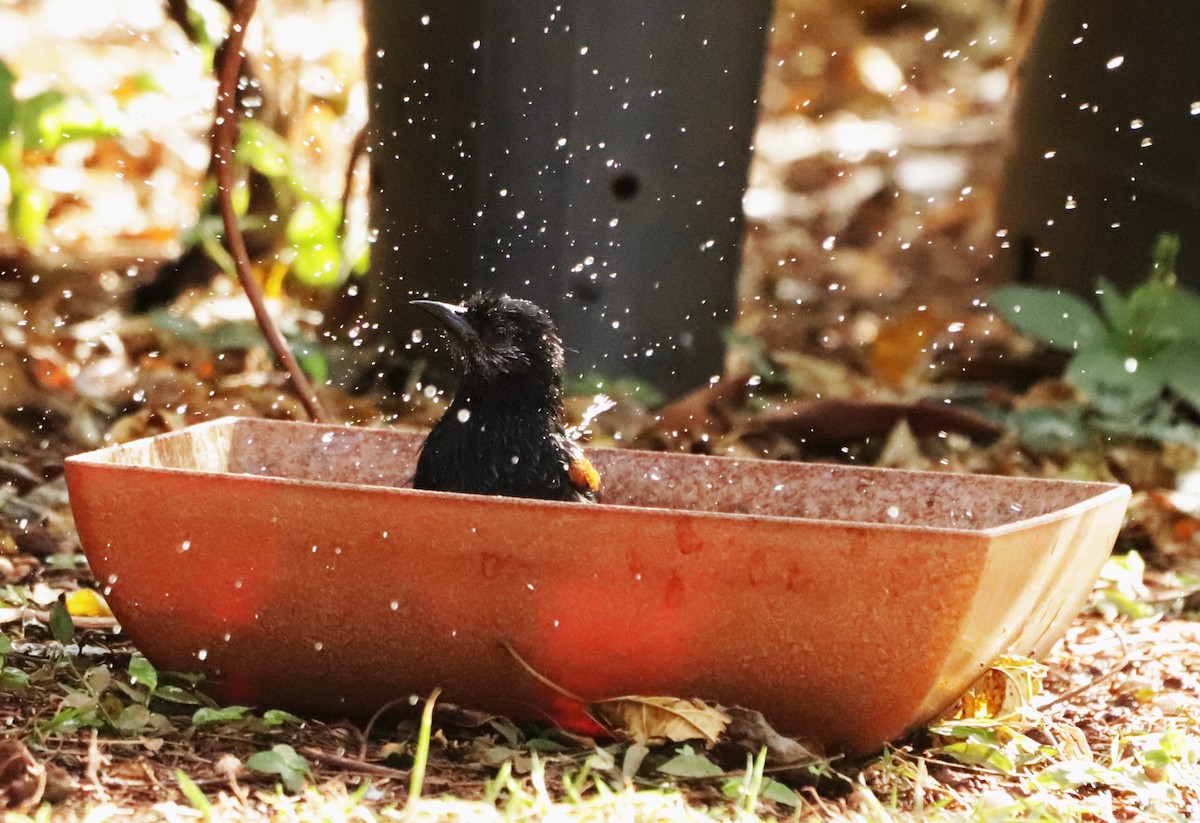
[226, 128]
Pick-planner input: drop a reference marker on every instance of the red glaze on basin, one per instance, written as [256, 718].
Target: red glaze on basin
[287, 562]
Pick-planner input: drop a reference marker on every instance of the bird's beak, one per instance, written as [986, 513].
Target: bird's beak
[452, 317]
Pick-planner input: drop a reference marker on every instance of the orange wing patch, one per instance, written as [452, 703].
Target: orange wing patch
[583, 474]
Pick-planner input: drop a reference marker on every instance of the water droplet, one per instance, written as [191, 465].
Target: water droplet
[395, 604]
[893, 512]
[184, 546]
[327, 438]
[463, 415]
[1115, 62]
[202, 654]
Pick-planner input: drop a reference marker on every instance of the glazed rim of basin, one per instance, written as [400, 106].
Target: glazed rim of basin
[1080, 495]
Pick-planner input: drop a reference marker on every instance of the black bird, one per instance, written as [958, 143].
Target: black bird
[503, 434]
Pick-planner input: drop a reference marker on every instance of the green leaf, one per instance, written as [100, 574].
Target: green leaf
[1166, 252]
[263, 150]
[49, 119]
[233, 335]
[282, 760]
[8, 103]
[13, 680]
[133, 718]
[313, 232]
[1071, 774]
[278, 717]
[5, 644]
[97, 679]
[1180, 318]
[1180, 366]
[779, 793]
[141, 671]
[29, 118]
[1147, 328]
[61, 624]
[1116, 384]
[1114, 307]
[27, 212]
[312, 359]
[689, 764]
[980, 754]
[225, 714]
[194, 795]
[175, 694]
[1056, 318]
[1050, 430]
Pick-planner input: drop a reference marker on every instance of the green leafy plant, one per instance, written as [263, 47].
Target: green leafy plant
[1131, 350]
[316, 251]
[195, 795]
[284, 761]
[42, 123]
[754, 786]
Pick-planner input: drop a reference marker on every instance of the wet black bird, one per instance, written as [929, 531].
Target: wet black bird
[503, 434]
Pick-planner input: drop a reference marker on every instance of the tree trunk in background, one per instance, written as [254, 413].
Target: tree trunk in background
[590, 155]
[1107, 144]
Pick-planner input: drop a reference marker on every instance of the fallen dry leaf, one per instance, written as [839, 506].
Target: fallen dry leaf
[699, 413]
[823, 425]
[644, 719]
[87, 603]
[1009, 684]
[670, 719]
[902, 346]
[749, 731]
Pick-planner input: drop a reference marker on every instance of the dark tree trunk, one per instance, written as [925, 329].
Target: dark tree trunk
[1107, 144]
[589, 155]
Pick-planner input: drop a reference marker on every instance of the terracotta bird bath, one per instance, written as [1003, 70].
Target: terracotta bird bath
[288, 563]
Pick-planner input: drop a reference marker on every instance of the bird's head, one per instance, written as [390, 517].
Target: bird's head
[496, 336]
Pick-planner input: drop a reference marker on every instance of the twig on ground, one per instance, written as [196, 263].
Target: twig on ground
[350, 764]
[1120, 666]
[366, 734]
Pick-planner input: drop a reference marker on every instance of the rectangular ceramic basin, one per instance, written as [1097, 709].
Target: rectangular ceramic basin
[289, 563]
